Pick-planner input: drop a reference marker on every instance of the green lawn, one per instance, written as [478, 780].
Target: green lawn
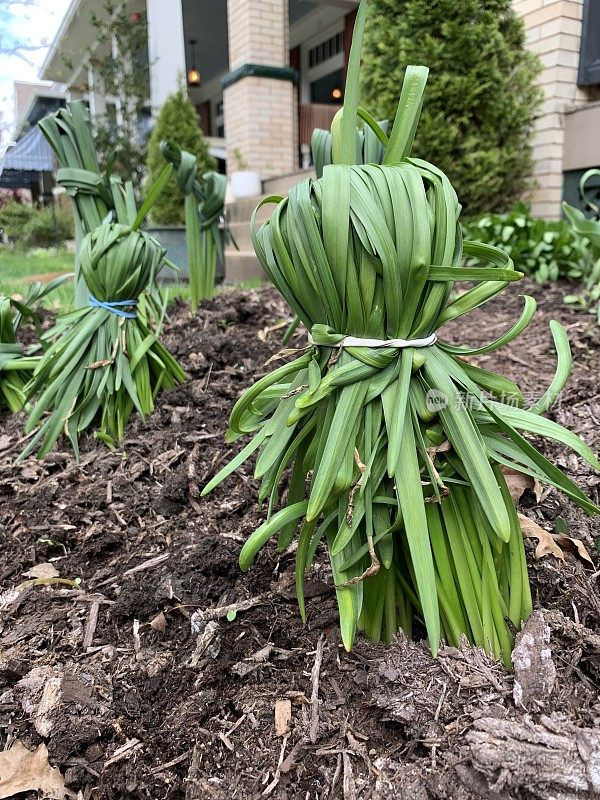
[17, 266]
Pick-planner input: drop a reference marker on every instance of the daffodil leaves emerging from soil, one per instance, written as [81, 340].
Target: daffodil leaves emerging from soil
[394, 453]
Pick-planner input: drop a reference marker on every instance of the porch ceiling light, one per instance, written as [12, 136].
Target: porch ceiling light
[336, 93]
[193, 76]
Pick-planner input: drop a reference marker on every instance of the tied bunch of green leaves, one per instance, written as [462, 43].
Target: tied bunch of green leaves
[394, 448]
[104, 359]
[97, 196]
[69, 134]
[204, 214]
[17, 362]
[587, 233]
[15, 367]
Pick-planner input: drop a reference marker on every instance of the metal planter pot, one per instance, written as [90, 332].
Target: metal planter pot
[172, 238]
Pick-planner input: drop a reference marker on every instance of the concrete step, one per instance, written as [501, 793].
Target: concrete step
[242, 236]
[241, 210]
[242, 266]
[283, 183]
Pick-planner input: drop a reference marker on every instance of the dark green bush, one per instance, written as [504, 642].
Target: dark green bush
[481, 100]
[48, 227]
[179, 123]
[544, 250]
[14, 216]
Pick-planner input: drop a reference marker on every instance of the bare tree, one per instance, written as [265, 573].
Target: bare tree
[12, 47]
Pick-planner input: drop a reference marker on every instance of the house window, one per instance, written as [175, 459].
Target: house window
[589, 54]
[326, 50]
[328, 89]
[572, 195]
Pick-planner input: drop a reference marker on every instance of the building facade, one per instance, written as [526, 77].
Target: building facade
[263, 73]
[566, 36]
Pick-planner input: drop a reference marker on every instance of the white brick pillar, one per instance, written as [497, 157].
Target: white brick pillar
[553, 29]
[166, 49]
[260, 108]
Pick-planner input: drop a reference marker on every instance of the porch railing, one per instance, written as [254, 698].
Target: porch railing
[314, 115]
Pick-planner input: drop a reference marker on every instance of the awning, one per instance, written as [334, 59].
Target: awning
[23, 162]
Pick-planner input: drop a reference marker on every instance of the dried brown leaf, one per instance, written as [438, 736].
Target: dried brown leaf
[575, 546]
[23, 770]
[159, 623]
[44, 570]
[546, 545]
[518, 483]
[287, 351]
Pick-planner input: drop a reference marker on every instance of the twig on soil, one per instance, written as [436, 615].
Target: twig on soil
[16, 444]
[90, 628]
[226, 741]
[271, 787]
[517, 360]
[441, 702]
[349, 785]
[123, 752]
[137, 644]
[336, 776]
[193, 490]
[201, 616]
[208, 374]
[118, 516]
[151, 562]
[313, 730]
[171, 763]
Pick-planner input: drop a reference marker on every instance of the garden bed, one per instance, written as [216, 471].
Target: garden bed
[140, 690]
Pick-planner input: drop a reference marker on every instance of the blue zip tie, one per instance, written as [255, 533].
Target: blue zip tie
[114, 306]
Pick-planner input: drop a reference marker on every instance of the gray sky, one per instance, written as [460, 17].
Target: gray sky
[32, 23]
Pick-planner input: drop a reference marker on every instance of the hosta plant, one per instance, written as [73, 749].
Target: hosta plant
[104, 361]
[204, 214]
[391, 440]
[546, 251]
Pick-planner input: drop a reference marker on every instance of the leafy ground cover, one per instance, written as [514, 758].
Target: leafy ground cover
[168, 673]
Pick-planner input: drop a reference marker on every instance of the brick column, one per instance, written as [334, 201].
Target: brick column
[259, 93]
[553, 30]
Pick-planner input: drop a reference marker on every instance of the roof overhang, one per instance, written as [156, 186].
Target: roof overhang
[72, 40]
[50, 92]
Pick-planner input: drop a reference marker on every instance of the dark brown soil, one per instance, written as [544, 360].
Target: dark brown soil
[155, 697]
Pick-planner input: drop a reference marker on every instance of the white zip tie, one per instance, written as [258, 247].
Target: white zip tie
[357, 341]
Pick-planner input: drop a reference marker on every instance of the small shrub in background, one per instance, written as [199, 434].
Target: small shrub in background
[179, 123]
[481, 98]
[27, 226]
[546, 251]
[14, 216]
[48, 226]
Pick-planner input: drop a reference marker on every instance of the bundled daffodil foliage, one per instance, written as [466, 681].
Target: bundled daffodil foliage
[204, 214]
[394, 441]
